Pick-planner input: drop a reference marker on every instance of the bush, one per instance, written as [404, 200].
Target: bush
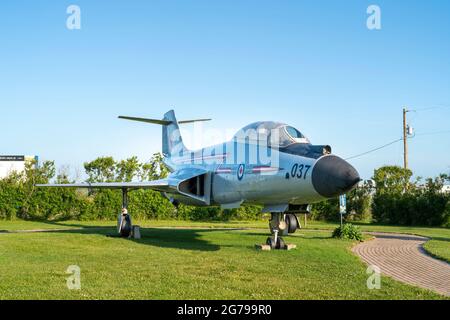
[326, 210]
[348, 231]
[401, 202]
[396, 200]
[359, 203]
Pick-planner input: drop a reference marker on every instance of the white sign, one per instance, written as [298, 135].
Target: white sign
[343, 204]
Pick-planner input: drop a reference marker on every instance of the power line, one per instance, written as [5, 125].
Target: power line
[430, 108]
[395, 141]
[373, 150]
[403, 138]
[432, 133]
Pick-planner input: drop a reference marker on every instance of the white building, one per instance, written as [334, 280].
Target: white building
[10, 164]
[446, 188]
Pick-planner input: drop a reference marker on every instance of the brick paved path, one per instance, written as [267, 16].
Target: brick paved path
[403, 258]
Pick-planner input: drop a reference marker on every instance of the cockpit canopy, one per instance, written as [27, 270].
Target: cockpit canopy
[275, 134]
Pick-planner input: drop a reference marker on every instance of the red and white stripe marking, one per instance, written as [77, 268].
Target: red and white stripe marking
[263, 169]
[223, 170]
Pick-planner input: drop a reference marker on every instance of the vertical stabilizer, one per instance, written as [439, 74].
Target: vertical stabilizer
[172, 142]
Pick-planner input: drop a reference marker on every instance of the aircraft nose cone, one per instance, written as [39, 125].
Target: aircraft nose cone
[333, 176]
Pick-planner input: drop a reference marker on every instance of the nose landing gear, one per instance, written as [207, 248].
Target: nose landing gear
[281, 224]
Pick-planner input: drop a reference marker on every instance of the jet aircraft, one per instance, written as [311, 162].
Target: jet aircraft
[267, 163]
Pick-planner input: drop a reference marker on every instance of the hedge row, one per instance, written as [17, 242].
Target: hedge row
[395, 200]
[19, 198]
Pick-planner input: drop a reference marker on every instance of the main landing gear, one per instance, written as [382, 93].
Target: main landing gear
[281, 224]
[124, 225]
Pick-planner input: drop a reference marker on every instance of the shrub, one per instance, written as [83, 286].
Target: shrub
[400, 202]
[348, 231]
[326, 210]
[395, 200]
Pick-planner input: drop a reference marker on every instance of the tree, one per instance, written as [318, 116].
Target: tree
[391, 179]
[101, 169]
[360, 202]
[399, 201]
[127, 169]
[154, 169]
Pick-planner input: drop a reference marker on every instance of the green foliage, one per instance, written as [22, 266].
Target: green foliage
[359, 204]
[11, 195]
[395, 201]
[20, 198]
[101, 169]
[154, 169]
[327, 210]
[409, 203]
[148, 204]
[392, 179]
[348, 231]
[127, 169]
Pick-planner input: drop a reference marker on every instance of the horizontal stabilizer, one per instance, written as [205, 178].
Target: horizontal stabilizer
[161, 122]
[191, 121]
[155, 121]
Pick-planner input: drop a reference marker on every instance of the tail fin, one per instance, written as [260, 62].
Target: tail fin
[172, 142]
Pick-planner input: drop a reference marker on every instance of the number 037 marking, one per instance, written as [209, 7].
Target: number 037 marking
[300, 171]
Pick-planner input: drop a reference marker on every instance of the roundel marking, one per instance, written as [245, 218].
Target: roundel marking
[240, 171]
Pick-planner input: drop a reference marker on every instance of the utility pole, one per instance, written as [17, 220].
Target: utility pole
[405, 142]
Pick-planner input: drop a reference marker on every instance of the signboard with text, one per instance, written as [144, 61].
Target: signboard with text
[343, 204]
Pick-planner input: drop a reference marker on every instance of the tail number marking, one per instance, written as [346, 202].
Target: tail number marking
[300, 171]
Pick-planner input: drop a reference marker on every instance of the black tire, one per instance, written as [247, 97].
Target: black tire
[271, 242]
[279, 245]
[292, 223]
[125, 231]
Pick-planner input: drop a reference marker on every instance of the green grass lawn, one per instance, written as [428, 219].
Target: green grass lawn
[199, 261]
[438, 246]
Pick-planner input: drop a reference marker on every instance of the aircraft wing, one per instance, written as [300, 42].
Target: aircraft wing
[158, 185]
[194, 184]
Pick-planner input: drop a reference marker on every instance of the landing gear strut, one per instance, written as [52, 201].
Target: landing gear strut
[281, 224]
[277, 225]
[124, 225]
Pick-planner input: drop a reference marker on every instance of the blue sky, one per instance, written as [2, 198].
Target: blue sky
[312, 64]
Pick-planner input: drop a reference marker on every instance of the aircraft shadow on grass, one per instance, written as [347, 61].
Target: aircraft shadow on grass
[185, 239]
[295, 235]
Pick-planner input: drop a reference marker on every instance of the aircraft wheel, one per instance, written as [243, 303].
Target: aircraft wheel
[279, 245]
[125, 227]
[271, 242]
[292, 223]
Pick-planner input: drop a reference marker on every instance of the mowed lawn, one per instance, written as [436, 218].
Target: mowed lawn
[199, 261]
[438, 245]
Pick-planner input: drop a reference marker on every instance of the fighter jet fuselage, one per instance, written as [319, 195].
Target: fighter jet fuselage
[266, 163]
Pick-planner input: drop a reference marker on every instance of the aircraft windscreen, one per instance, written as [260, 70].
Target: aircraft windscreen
[294, 133]
[277, 134]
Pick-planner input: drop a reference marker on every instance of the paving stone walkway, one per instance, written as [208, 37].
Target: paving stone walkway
[403, 258]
